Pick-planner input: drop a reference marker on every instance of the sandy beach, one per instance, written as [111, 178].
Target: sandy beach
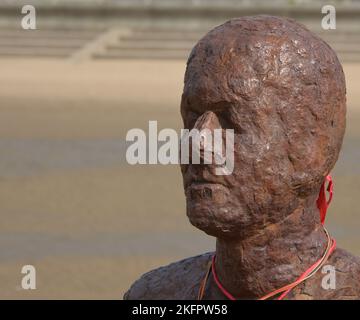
[70, 204]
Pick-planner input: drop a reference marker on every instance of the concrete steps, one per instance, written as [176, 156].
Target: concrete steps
[39, 43]
[176, 44]
[143, 54]
[136, 43]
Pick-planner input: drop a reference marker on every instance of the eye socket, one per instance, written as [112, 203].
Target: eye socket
[227, 119]
[224, 119]
[191, 118]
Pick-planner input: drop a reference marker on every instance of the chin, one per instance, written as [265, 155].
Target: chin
[213, 208]
[216, 220]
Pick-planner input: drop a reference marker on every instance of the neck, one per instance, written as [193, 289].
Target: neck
[252, 267]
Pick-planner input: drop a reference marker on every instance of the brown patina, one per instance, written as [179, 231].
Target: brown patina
[282, 90]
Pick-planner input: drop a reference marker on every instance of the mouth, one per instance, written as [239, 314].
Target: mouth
[203, 178]
[205, 190]
[202, 183]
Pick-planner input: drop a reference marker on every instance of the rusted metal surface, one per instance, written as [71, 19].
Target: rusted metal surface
[282, 90]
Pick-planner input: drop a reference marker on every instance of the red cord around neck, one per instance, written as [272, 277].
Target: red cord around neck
[283, 290]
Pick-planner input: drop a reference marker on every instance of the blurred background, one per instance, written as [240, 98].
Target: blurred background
[70, 90]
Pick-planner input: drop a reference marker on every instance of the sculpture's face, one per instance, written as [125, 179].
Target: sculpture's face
[285, 102]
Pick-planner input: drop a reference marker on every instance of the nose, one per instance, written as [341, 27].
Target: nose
[206, 124]
[207, 120]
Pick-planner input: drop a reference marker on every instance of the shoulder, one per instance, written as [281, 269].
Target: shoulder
[345, 260]
[178, 280]
[347, 267]
[339, 279]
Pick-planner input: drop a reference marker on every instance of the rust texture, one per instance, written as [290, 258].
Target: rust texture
[282, 90]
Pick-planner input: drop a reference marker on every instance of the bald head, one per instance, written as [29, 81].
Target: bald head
[282, 90]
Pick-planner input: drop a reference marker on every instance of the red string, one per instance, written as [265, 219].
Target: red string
[308, 271]
[222, 289]
[321, 202]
